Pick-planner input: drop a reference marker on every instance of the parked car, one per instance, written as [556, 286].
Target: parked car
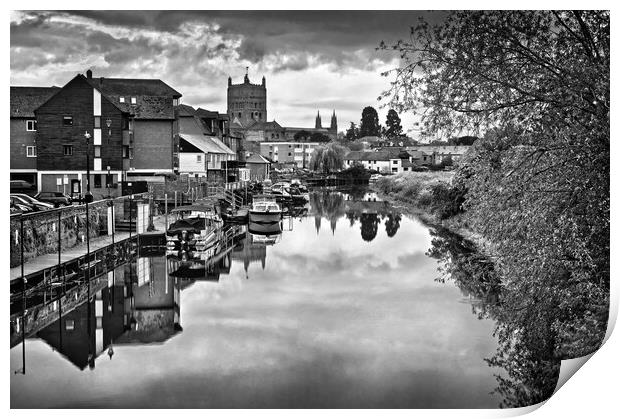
[21, 186]
[18, 207]
[55, 198]
[374, 178]
[30, 201]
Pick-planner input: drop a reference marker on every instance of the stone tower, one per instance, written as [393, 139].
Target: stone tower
[317, 123]
[246, 101]
[333, 127]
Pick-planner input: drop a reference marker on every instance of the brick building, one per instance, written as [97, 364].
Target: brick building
[131, 124]
[23, 148]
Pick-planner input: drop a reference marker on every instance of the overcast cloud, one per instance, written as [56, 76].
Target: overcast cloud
[313, 60]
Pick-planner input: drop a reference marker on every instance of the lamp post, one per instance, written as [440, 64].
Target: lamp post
[88, 199]
[108, 181]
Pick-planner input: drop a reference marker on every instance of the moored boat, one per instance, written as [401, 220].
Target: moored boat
[265, 211]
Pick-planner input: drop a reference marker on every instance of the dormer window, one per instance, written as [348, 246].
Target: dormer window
[121, 99]
[133, 100]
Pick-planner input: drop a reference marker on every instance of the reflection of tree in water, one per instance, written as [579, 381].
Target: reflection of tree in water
[370, 225]
[326, 204]
[392, 224]
[527, 350]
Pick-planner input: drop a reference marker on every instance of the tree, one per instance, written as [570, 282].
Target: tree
[328, 159]
[302, 135]
[319, 137]
[370, 123]
[392, 123]
[534, 87]
[352, 133]
[465, 140]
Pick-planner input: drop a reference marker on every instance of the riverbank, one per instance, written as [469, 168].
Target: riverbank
[427, 196]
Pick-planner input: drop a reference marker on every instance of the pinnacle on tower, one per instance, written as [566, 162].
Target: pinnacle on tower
[264, 82]
[246, 78]
[229, 81]
[317, 123]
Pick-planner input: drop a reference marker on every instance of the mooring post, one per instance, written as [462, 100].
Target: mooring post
[175, 199]
[166, 210]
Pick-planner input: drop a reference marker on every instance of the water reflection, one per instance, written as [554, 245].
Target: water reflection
[525, 353]
[333, 318]
[357, 205]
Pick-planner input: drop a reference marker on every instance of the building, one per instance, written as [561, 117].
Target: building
[247, 113]
[389, 161]
[297, 152]
[437, 153]
[130, 124]
[258, 166]
[204, 156]
[23, 147]
[247, 102]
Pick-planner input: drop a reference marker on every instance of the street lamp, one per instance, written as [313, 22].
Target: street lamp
[108, 182]
[88, 197]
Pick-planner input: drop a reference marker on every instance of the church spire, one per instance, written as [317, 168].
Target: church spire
[334, 124]
[317, 123]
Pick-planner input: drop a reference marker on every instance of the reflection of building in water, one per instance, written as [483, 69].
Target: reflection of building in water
[140, 304]
[250, 252]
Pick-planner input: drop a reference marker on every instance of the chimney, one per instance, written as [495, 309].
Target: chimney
[89, 74]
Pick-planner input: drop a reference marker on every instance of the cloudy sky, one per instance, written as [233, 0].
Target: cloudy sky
[313, 60]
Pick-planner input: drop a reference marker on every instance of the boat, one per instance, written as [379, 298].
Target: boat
[263, 229]
[238, 217]
[265, 210]
[195, 226]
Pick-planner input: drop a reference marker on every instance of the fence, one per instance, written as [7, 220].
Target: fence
[53, 231]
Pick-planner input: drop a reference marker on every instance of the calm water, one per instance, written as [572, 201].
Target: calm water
[342, 309]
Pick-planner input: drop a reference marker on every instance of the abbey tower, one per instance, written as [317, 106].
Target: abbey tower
[247, 102]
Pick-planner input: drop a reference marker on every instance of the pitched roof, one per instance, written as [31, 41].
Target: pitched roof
[207, 143]
[373, 155]
[256, 158]
[153, 96]
[203, 113]
[24, 100]
[185, 110]
[273, 126]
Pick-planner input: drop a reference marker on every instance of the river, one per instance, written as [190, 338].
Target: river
[345, 308]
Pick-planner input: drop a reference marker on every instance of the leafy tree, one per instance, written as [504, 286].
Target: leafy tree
[466, 140]
[319, 137]
[534, 86]
[302, 135]
[328, 159]
[392, 123]
[352, 133]
[370, 122]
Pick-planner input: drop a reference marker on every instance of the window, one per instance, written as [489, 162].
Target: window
[121, 99]
[175, 102]
[239, 114]
[98, 151]
[31, 125]
[69, 325]
[375, 162]
[97, 122]
[125, 124]
[272, 135]
[394, 169]
[98, 181]
[67, 150]
[133, 100]
[198, 158]
[67, 121]
[395, 161]
[125, 151]
[31, 151]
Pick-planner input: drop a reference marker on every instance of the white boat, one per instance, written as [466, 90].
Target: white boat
[265, 211]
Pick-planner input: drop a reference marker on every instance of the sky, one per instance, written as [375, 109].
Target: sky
[312, 60]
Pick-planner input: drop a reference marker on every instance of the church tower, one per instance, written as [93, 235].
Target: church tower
[334, 125]
[317, 123]
[247, 102]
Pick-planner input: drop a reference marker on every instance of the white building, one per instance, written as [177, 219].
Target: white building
[199, 154]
